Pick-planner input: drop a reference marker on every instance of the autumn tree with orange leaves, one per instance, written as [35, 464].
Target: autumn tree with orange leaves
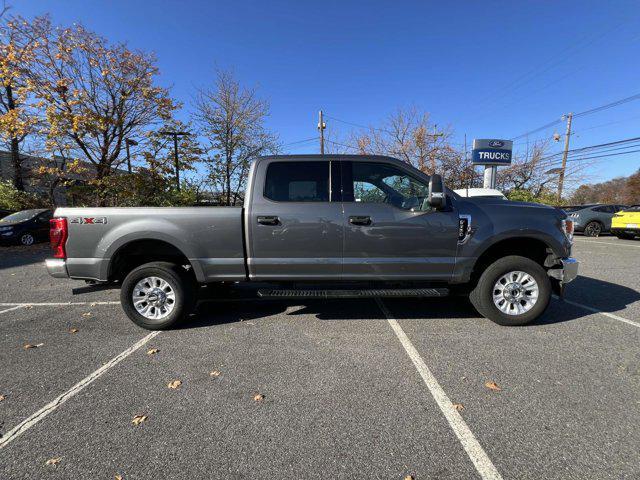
[93, 94]
[18, 115]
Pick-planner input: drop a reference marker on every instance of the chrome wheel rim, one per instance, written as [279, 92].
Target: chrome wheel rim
[153, 298]
[515, 293]
[27, 239]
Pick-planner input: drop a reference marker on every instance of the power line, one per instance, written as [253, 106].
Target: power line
[608, 105]
[300, 141]
[581, 114]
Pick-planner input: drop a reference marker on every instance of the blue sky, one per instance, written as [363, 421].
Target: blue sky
[487, 69]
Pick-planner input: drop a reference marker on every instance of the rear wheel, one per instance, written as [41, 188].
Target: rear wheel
[157, 295]
[512, 291]
[592, 229]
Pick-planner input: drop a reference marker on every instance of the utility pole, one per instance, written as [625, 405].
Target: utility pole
[321, 127]
[175, 136]
[127, 142]
[564, 157]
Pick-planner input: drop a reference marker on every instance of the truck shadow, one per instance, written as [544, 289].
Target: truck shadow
[605, 296]
[19, 256]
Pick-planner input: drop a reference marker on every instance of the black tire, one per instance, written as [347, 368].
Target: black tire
[625, 236]
[181, 283]
[593, 229]
[482, 295]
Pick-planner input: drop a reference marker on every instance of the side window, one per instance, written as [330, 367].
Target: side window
[297, 182]
[604, 209]
[384, 183]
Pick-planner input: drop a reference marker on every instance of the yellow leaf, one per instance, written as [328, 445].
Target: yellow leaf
[29, 345]
[458, 406]
[53, 461]
[258, 397]
[215, 373]
[2, 397]
[138, 419]
[73, 330]
[492, 386]
[175, 384]
[153, 351]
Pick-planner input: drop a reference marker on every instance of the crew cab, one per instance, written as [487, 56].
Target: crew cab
[324, 226]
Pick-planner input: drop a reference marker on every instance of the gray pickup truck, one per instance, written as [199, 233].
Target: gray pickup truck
[331, 226]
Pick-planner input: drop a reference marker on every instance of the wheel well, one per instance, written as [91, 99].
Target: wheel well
[532, 248]
[139, 252]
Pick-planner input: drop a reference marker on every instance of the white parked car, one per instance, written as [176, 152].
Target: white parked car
[480, 192]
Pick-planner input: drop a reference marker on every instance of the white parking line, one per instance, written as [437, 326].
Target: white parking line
[607, 314]
[474, 450]
[53, 304]
[26, 424]
[620, 244]
[11, 309]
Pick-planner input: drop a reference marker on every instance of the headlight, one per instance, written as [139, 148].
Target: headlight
[567, 227]
[6, 229]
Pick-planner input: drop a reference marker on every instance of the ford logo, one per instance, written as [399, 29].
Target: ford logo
[496, 143]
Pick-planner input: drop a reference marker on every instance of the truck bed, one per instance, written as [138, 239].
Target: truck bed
[210, 237]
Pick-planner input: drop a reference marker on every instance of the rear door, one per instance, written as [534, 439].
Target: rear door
[387, 233]
[295, 230]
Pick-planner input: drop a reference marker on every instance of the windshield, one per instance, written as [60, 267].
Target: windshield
[20, 216]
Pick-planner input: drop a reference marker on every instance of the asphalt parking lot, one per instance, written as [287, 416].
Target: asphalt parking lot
[322, 389]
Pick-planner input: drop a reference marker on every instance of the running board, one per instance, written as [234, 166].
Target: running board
[373, 293]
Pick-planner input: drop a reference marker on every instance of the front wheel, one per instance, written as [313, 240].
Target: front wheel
[157, 295]
[512, 291]
[625, 236]
[27, 239]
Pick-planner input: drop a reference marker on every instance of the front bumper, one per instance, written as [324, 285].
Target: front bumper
[567, 271]
[57, 267]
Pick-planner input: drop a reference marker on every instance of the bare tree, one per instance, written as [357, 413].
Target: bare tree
[232, 118]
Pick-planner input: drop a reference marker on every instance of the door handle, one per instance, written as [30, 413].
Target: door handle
[360, 220]
[268, 220]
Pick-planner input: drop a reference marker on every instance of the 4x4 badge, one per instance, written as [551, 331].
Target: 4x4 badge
[89, 220]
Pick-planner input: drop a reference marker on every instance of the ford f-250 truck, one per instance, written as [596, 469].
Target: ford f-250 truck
[324, 226]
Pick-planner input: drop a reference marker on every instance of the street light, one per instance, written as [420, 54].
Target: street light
[175, 136]
[127, 142]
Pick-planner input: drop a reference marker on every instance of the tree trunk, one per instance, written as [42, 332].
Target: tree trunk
[16, 161]
[228, 186]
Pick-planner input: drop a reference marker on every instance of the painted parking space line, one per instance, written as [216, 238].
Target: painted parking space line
[53, 304]
[32, 420]
[607, 314]
[15, 307]
[582, 240]
[476, 453]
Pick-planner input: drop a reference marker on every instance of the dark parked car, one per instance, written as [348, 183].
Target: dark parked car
[594, 219]
[25, 227]
[4, 213]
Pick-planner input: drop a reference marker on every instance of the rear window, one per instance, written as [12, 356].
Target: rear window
[297, 182]
[572, 208]
[634, 208]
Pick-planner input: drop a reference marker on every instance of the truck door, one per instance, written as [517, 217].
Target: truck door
[295, 230]
[388, 236]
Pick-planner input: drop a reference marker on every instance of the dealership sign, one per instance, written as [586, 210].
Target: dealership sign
[492, 152]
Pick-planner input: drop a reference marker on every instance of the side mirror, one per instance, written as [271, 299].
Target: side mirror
[436, 192]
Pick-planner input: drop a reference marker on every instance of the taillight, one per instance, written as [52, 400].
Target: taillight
[58, 234]
[568, 226]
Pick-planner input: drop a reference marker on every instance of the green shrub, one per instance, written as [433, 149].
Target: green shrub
[13, 199]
